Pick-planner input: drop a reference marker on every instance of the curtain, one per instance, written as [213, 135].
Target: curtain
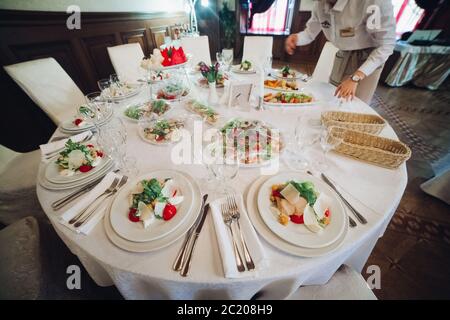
[259, 6]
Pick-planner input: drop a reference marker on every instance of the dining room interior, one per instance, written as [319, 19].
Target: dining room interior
[225, 149]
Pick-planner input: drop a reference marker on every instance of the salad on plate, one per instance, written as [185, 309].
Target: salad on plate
[120, 90]
[300, 203]
[288, 98]
[163, 131]
[78, 158]
[287, 73]
[172, 91]
[283, 85]
[256, 142]
[209, 114]
[140, 111]
[154, 199]
[246, 66]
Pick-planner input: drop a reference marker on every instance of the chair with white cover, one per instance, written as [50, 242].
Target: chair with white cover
[346, 284]
[18, 173]
[20, 260]
[198, 47]
[126, 60]
[325, 63]
[257, 49]
[49, 86]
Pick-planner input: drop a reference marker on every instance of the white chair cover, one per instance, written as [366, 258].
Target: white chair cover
[49, 86]
[346, 284]
[18, 196]
[257, 49]
[198, 47]
[126, 60]
[324, 65]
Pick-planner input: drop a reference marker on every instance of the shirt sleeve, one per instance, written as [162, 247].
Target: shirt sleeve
[382, 34]
[312, 29]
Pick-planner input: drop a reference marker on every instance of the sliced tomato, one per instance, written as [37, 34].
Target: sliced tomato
[85, 168]
[296, 219]
[90, 145]
[327, 213]
[169, 211]
[99, 154]
[132, 215]
[160, 138]
[276, 193]
[77, 121]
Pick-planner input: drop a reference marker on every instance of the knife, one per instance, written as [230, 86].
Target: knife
[197, 231]
[179, 260]
[355, 212]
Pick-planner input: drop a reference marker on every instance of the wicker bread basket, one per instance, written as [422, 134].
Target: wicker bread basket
[370, 123]
[370, 148]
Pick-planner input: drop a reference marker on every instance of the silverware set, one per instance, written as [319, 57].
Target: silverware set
[183, 260]
[84, 216]
[355, 212]
[58, 204]
[230, 213]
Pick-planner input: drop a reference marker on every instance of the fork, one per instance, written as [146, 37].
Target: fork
[107, 191]
[109, 194]
[227, 219]
[236, 215]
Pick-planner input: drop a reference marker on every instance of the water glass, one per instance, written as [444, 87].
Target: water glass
[227, 57]
[327, 143]
[100, 109]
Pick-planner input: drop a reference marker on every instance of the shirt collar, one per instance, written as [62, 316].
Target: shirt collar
[340, 5]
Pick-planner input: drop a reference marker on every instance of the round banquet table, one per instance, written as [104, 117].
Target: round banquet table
[374, 191]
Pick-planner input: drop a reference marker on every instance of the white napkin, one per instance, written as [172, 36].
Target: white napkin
[53, 146]
[84, 202]
[226, 246]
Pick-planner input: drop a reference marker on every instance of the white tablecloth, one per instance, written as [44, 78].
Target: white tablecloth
[149, 275]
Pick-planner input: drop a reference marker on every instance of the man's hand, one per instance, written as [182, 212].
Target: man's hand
[347, 89]
[291, 43]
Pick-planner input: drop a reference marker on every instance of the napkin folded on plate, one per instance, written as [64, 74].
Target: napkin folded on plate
[57, 145]
[85, 202]
[225, 243]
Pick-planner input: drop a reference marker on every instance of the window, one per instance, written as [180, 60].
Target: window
[407, 14]
[276, 20]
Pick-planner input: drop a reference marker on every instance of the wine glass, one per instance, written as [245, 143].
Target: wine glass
[223, 162]
[227, 57]
[220, 58]
[267, 64]
[100, 109]
[328, 142]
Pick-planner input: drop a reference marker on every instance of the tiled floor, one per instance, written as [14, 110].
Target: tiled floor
[414, 253]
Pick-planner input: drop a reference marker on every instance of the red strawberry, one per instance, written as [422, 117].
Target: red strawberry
[85, 168]
[169, 211]
[132, 215]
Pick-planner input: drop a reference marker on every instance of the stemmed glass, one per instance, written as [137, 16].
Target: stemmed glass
[304, 136]
[267, 65]
[223, 162]
[227, 58]
[97, 109]
[220, 58]
[327, 143]
[112, 137]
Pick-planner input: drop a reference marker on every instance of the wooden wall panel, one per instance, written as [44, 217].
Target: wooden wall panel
[28, 35]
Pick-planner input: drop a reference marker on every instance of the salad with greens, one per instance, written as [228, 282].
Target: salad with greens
[162, 131]
[139, 111]
[300, 203]
[245, 65]
[209, 114]
[154, 199]
[77, 157]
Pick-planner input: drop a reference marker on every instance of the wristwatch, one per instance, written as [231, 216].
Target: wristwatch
[355, 78]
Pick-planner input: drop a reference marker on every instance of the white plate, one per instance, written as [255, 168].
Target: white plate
[65, 186]
[135, 231]
[165, 143]
[276, 73]
[298, 234]
[71, 127]
[137, 88]
[200, 82]
[52, 172]
[161, 242]
[290, 105]
[274, 240]
[236, 69]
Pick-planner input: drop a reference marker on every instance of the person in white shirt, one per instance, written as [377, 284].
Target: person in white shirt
[364, 33]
